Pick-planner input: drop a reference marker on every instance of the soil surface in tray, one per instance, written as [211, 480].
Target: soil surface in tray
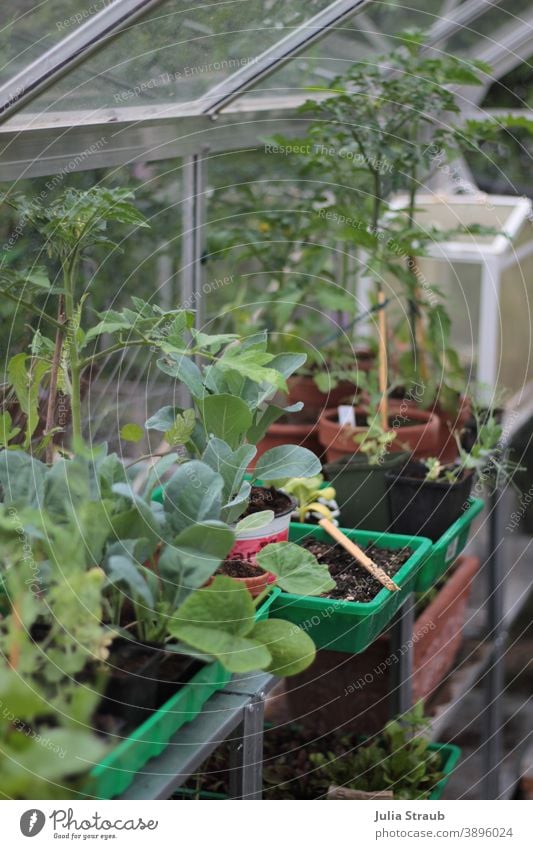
[268, 498]
[354, 583]
[240, 569]
[292, 766]
[143, 674]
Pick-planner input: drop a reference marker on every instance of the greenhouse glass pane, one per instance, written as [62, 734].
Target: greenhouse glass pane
[487, 29]
[367, 34]
[29, 28]
[177, 53]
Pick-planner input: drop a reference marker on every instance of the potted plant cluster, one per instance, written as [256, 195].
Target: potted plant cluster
[80, 528]
[398, 763]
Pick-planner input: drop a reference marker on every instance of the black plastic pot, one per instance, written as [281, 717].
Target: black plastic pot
[361, 490]
[131, 690]
[425, 508]
[142, 677]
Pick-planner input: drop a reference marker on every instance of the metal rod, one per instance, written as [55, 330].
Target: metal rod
[69, 52]
[401, 695]
[495, 680]
[194, 188]
[246, 754]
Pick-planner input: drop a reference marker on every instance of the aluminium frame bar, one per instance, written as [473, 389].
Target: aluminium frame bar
[69, 52]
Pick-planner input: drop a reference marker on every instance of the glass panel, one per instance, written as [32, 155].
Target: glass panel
[177, 53]
[147, 264]
[29, 28]
[368, 33]
[487, 29]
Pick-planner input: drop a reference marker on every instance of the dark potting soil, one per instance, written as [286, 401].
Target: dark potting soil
[141, 679]
[354, 583]
[292, 764]
[239, 569]
[268, 498]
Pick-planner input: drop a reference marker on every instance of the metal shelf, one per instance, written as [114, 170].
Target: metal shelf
[240, 709]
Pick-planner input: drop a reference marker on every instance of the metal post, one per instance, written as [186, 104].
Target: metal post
[194, 191]
[493, 748]
[401, 696]
[246, 754]
[488, 330]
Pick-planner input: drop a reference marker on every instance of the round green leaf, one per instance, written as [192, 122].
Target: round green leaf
[131, 432]
[297, 570]
[291, 648]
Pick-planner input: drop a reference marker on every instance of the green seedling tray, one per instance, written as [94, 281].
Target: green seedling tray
[448, 548]
[113, 775]
[350, 626]
[449, 754]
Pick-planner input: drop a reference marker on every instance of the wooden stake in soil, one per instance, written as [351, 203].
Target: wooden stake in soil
[359, 555]
[382, 360]
[345, 793]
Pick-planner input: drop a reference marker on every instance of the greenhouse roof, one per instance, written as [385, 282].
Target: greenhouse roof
[159, 71]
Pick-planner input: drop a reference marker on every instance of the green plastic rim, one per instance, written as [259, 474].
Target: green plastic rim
[350, 626]
[447, 549]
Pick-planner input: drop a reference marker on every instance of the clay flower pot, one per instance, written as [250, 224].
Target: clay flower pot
[450, 421]
[255, 585]
[353, 691]
[417, 430]
[302, 388]
[281, 433]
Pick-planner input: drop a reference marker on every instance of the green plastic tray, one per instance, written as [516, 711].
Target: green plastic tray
[350, 626]
[448, 547]
[449, 753]
[113, 775]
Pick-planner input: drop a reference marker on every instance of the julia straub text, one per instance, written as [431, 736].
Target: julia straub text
[408, 815]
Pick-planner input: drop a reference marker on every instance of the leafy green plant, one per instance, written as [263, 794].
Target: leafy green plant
[219, 621]
[50, 634]
[310, 495]
[385, 130]
[398, 759]
[375, 442]
[233, 408]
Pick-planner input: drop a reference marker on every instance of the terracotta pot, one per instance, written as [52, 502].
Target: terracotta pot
[304, 389]
[255, 586]
[421, 437]
[289, 434]
[352, 692]
[434, 655]
[450, 421]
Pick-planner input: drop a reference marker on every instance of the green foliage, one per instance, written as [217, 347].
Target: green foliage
[220, 621]
[296, 569]
[310, 494]
[397, 760]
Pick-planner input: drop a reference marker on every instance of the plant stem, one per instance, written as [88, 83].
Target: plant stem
[69, 271]
[52, 391]
[32, 307]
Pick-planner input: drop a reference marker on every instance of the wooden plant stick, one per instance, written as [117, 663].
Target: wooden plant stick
[382, 361]
[358, 555]
[346, 793]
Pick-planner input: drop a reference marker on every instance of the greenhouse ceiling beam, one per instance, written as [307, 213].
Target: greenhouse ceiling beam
[459, 17]
[69, 52]
[513, 46]
[223, 94]
[67, 142]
